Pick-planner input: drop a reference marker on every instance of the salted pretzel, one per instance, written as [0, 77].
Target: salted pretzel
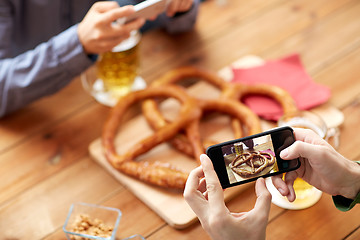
[228, 90]
[230, 107]
[154, 173]
[252, 163]
[239, 91]
[156, 120]
[191, 112]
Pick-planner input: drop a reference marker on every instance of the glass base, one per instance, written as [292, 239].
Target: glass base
[298, 204]
[106, 98]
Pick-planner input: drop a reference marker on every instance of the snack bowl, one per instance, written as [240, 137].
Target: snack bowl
[90, 221]
[135, 237]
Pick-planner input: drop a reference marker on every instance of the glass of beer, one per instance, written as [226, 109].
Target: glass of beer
[116, 72]
[238, 149]
[313, 121]
[119, 67]
[306, 195]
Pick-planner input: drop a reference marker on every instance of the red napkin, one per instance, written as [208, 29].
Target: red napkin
[287, 73]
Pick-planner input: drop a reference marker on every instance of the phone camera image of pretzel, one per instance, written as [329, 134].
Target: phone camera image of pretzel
[252, 163]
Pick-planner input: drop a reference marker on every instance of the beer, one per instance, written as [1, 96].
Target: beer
[303, 190]
[119, 67]
[238, 149]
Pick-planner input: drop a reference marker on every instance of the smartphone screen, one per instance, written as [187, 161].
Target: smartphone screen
[246, 159]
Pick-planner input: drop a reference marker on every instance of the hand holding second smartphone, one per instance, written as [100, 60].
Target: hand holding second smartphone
[246, 159]
[147, 9]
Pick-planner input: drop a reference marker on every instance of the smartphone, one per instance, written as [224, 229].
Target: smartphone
[246, 159]
[148, 9]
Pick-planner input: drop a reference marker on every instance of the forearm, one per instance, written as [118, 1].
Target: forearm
[41, 71]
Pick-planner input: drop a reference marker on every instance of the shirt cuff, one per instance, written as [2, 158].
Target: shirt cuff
[345, 204]
[70, 52]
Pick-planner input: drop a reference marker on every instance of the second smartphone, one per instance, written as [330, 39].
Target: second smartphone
[246, 159]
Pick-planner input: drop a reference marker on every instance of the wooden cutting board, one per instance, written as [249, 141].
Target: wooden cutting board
[168, 204]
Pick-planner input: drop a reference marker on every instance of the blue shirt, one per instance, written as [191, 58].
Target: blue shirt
[40, 52]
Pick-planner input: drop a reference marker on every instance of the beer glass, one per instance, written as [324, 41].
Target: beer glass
[119, 67]
[238, 149]
[116, 72]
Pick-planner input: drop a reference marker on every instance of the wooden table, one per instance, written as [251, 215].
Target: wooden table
[44, 158]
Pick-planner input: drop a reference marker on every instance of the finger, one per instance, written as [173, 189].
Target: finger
[280, 185]
[263, 201]
[105, 6]
[305, 135]
[171, 9]
[122, 32]
[134, 25]
[104, 45]
[202, 185]
[192, 196]
[214, 189]
[302, 149]
[114, 14]
[110, 42]
[152, 18]
[185, 5]
[192, 182]
[289, 180]
[206, 195]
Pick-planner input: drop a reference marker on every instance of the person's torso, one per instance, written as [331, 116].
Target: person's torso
[36, 21]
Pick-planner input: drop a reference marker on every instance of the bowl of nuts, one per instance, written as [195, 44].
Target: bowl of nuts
[90, 221]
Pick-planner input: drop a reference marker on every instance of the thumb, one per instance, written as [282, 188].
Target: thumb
[263, 201]
[213, 187]
[301, 149]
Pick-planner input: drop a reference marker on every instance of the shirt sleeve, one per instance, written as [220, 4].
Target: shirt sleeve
[181, 22]
[41, 71]
[345, 204]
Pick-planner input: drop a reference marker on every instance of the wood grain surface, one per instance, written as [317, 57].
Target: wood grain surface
[44, 157]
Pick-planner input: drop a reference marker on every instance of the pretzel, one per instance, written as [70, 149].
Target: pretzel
[234, 91]
[156, 120]
[250, 164]
[154, 173]
[228, 106]
[239, 91]
[191, 112]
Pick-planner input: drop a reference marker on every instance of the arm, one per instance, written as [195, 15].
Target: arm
[321, 166]
[53, 64]
[205, 196]
[41, 71]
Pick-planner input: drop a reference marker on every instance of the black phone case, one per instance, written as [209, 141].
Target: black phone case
[216, 155]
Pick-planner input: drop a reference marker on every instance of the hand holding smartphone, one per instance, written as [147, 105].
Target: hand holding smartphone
[146, 9]
[246, 159]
